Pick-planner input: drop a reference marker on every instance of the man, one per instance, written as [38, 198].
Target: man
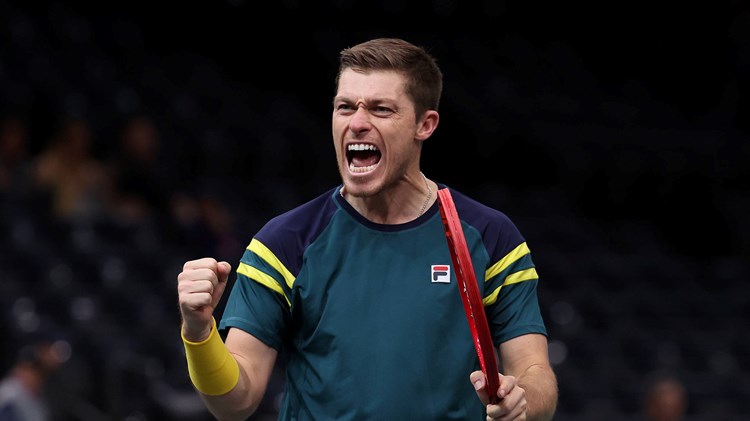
[22, 389]
[342, 285]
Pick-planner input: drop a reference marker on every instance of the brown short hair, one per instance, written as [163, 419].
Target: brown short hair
[424, 80]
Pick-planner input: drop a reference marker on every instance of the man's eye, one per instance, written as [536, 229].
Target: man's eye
[343, 107]
[381, 110]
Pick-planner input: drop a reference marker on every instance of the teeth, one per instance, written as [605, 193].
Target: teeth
[362, 147]
[352, 168]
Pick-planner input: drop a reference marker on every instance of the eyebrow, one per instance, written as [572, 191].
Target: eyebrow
[369, 102]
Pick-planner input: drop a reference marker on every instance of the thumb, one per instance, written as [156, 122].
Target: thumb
[479, 381]
[224, 269]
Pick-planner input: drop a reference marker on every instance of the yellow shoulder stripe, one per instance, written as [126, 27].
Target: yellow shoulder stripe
[506, 261]
[262, 279]
[524, 275]
[266, 254]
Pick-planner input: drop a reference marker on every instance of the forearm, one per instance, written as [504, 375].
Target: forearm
[540, 383]
[226, 381]
[237, 404]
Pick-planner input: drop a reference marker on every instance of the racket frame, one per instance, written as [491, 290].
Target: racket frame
[470, 295]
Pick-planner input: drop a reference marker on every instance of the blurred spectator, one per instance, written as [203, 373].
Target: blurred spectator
[68, 170]
[666, 399]
[22, 389]
[140, 176]
[14, 155]
[204, 222]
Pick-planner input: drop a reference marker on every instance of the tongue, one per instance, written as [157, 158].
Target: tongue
[364, 160]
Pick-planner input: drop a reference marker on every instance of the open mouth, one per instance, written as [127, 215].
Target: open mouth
[362, 157]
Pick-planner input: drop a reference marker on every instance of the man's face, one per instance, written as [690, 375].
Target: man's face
[374, 130]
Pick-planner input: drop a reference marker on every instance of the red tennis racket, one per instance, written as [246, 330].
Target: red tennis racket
[467, 285]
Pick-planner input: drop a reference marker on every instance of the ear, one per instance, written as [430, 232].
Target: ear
[427, 125]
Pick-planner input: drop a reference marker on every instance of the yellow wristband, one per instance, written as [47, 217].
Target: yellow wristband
[213, 370]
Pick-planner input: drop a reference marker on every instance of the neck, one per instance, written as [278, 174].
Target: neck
[396, 205]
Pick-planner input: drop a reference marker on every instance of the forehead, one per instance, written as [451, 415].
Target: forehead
[380, 84]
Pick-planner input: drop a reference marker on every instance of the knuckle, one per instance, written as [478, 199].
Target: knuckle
[205, 262]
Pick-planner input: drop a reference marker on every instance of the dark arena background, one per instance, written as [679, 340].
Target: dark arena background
[138, 135]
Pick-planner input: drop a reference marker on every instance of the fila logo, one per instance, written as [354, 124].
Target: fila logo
[441, 274]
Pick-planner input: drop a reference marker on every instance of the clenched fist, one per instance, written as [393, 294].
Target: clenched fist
[200, 286]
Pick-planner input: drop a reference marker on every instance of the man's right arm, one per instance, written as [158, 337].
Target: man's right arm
[256, 361]
[231, 376]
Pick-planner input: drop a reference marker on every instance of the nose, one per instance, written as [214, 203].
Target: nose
[360, 122]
